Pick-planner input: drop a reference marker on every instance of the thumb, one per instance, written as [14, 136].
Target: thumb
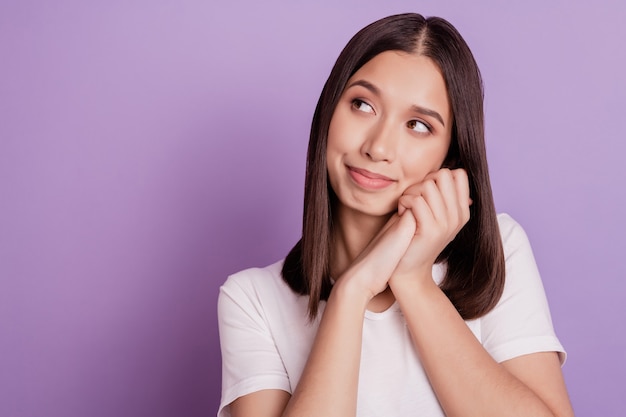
[407, 224]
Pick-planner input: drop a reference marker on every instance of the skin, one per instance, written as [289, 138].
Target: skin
[393, 120]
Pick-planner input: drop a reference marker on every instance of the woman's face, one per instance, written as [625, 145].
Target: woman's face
[391, 128]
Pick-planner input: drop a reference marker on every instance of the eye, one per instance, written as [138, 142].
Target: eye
[419, 127]
[360, 105]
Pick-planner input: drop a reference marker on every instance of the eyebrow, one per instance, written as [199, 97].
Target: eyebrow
[418, 109]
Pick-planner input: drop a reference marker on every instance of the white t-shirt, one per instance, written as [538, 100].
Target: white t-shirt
[266, 336]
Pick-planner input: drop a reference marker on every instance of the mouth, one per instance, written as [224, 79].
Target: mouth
[369, 180]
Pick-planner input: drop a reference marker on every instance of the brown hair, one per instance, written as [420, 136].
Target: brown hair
[474, 277]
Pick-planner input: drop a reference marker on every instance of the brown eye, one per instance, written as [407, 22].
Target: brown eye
[360, 105]
[419, 127]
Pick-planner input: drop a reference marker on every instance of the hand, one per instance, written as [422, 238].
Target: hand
[440, 206]
[371, 270]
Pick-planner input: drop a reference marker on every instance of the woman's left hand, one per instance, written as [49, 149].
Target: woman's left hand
[440, 206]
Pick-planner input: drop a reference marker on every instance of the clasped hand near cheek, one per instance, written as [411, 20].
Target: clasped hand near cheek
[439, 206]
[430, 214]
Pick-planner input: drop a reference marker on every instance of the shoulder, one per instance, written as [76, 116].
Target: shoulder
[251, 334]
[509, 228]
[254, 277]
[260, 292]
[520, 323]
[523, 286]
[254, 284]
[521, 268]
[512, 234]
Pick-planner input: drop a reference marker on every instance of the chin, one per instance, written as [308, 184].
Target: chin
[368, 205]
[374, 210]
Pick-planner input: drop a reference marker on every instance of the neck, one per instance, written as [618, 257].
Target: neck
[352, 233]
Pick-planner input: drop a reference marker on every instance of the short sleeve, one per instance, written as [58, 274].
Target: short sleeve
[250, 360]
[520, 323]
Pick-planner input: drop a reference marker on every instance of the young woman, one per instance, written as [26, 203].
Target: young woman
[407, 295]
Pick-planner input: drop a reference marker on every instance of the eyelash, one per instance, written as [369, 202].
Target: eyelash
[356, 103]
[415, 122]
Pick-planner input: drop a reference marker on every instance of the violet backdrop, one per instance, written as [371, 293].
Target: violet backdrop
[150, 148]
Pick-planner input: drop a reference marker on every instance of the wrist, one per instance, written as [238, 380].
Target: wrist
[348, 291]
[418, 281]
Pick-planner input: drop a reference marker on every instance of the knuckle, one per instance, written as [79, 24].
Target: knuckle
[413, 189]
[430, 184]
[442, 172]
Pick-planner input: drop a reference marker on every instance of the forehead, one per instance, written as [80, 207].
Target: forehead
[407, 79]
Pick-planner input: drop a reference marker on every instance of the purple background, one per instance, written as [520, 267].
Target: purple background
[150, 148]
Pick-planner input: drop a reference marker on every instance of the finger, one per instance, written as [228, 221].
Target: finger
[447, 188]
[419, 209]
[407, 223]
[404, 202]
[424, 217]
[446, 192]
[393, 220]
[394, 240]
[435, 200]
[462, 185]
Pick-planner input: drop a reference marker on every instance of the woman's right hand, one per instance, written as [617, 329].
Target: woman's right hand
[370, 272]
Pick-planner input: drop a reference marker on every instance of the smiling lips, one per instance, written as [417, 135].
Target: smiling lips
[369, 180]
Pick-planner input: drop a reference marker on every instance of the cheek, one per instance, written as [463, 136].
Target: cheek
[333, 151]
[330, 141]
[344, 132]
[419, 163]
[416, 172]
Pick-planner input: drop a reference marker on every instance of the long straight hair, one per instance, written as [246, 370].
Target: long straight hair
[474, 277]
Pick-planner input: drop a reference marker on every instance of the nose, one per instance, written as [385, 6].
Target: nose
[380, 144]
